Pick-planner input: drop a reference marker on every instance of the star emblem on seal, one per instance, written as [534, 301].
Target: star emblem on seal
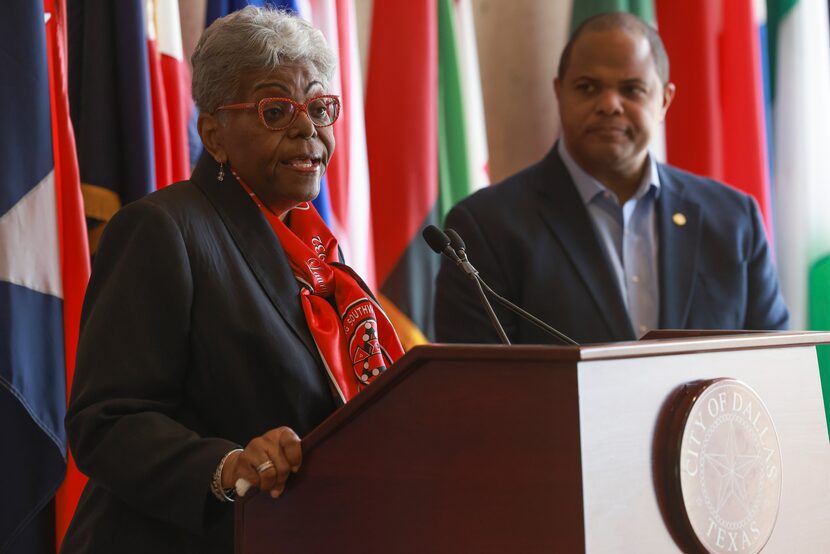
[734, 471]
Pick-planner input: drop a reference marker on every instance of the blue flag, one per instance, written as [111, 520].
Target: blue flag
[32, 378]
[109, 96]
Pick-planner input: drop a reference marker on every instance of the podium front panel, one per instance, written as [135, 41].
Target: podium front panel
[471, 455]
[620, 403]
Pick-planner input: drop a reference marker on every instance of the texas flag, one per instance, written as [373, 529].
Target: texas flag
[44, 266]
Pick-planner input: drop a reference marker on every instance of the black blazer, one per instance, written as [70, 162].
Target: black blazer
[193, 341]
[533, 241]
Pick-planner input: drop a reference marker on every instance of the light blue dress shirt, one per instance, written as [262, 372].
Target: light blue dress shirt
[628, 234]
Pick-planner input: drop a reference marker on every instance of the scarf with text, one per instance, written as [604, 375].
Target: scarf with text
[355, 338]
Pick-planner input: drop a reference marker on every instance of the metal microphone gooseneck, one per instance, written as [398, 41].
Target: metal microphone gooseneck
[457, 244]
[440, 243]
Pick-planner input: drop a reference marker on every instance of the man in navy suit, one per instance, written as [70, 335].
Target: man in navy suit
[599, 239]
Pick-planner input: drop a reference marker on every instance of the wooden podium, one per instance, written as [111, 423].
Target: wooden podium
[536, 449]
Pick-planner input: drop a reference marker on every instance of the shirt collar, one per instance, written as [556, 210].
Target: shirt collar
[588, 187]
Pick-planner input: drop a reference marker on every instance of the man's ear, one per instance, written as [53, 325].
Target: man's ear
[557, 87]
[211, 130]
[668, 95]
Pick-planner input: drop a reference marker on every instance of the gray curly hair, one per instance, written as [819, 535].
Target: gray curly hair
[252, 39]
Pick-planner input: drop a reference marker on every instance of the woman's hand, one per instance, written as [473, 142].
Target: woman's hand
[266, 462]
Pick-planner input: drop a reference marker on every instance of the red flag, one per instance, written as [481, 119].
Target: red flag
[402, 141]
[170, 88]
[716, 126]
[403, 151]
[176, 77]
[161, 120]
[74, 250]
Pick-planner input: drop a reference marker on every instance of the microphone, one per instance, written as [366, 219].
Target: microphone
[440, 243]
[457, 244]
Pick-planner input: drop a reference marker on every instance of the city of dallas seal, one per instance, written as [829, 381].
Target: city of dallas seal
[730, 468]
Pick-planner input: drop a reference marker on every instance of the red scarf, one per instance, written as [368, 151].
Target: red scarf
[356, 340]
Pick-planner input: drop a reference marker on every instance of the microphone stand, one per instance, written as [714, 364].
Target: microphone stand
[457, 244]
[440, 243]
[526, 315]
[489, 309]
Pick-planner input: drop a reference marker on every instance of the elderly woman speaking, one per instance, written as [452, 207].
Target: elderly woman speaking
[219, 323]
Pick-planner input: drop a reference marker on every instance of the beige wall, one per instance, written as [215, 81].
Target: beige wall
[192, 16]
[518, 46]
[363, 15]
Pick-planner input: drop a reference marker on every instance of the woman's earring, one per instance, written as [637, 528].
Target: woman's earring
[221, 175]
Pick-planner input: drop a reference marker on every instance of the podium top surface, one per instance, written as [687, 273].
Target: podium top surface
[668, 342]
[680, 342]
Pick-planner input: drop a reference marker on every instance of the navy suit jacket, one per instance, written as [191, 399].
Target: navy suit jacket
[532, 240]
[193, 341]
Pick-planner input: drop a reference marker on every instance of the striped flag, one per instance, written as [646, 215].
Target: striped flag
[44, 266]
[170, 91]
[403, 159]
[800, 59]
[348, 172]
[473, 103]
[352, 201]
[453, 149]
[109, 95]
[462, 140]
[162, 149]
[716, 126]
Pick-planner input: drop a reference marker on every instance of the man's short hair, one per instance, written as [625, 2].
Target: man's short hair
[627, 22]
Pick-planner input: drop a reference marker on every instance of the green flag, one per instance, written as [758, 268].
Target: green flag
[819, 286]
[454, 180]
[583, 9]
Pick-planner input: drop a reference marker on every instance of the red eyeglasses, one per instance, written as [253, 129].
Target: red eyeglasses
[279, 113]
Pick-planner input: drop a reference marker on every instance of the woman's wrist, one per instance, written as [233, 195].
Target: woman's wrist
[221, 493]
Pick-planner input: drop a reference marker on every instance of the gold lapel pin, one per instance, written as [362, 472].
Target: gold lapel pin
[679, 219]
